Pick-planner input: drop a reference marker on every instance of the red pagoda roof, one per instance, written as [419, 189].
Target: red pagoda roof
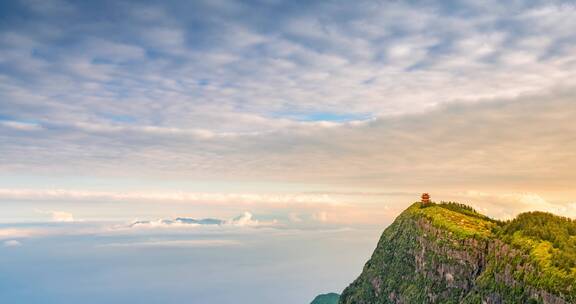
[425, 198]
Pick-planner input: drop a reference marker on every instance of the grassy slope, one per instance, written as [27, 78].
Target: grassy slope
[461, 220]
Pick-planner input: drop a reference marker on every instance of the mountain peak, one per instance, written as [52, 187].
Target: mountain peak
[449, 253]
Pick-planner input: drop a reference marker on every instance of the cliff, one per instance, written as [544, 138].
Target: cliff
[449, 253]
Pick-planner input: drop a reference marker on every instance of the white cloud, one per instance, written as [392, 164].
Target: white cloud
[7, 233]
[57, 216]
[327, 64]
[321, 216]
[467, 100]
[12, 243]
[509, 205]
[294, 217]
[61, 216]
[21, 126]
[176, 243]
[525, 142]
[74, 195]
[244, 220]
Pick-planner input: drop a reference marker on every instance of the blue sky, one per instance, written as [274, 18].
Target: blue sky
[303, 114]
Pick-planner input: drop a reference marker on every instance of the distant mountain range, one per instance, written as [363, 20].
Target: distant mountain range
[449, 253]
[181, 220]
[206, 221]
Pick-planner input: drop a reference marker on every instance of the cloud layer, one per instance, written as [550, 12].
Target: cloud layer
[355, 97]
[527, 141]
[244, 66]
[12, 243]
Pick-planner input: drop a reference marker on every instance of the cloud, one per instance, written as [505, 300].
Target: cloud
[61, 216]
[176, 244]
[321, 216]
[451, 138]
[244, 220]
[57, 216]
[368, 57]
[21, 126]
[12, 243]
[8, 233]
[450, 97]
[523, 143]
[294, 217]
[43, 230]
[509, 205]
[192, 197]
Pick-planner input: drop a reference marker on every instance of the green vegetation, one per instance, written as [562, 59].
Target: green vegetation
[329, 298]
[460, 219]
[553, 236]
[550, 241]
[449, 253]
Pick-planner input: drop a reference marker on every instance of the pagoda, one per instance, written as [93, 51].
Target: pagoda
[425, 198]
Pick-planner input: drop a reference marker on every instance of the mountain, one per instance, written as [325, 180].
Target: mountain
[206, 221]
[179, 221]
[449, 253]
[329, 298]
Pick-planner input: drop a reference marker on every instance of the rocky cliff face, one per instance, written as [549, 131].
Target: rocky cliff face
[443, 254]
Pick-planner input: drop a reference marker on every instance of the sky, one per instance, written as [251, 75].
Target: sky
[300, 116]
